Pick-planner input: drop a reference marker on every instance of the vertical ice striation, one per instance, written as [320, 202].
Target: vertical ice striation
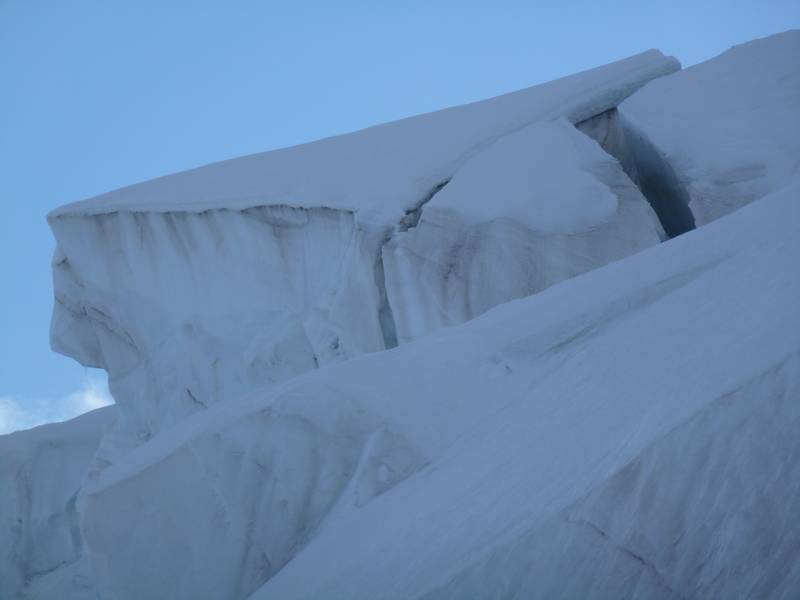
[184, 309]
[201, 286]
[612, 428]
[628, 433]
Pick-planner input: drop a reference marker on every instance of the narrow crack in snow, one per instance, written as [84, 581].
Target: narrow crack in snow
[409, 221]
[645, 165]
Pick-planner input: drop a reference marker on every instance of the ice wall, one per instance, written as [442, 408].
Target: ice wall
[627, 433]
[184, 309]
[201, 286]
[539, 206]
[619, 414]
[614, 428]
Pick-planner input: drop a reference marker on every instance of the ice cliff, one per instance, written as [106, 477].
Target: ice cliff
[206, 284]
[571, 408]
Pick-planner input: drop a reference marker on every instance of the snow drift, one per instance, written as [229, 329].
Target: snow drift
[42, 471]
[619, 427]
[725, 132]
[202, 285]
[573, 409]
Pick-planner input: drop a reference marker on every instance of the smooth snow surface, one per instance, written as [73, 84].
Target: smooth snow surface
[200, 286]
[41, 472]
[383, 477]
[628, 433]
[440, 358]
[729, 127]
[385, 170]
[539, 176]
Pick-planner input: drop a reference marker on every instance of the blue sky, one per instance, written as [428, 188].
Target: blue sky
[96, 95]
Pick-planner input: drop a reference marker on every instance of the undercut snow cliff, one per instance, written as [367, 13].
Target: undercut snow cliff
[531, 424]
[200, 286]
[184, 309]
[539, 206]
[572, 407]
[628, 433]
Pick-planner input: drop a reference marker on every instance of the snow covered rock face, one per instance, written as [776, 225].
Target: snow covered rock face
[41, 472]
[728, 127]
[204, 285]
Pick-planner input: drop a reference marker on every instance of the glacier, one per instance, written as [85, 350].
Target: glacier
[594, 451]
[542, 345]
[725, 131]
[42, 470]
[285, 272]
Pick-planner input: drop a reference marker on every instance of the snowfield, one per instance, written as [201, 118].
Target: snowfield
[240, 274]
[750, 147]
[541, 346]
[628, 433]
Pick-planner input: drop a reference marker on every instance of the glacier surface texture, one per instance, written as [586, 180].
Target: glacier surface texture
[546, 345]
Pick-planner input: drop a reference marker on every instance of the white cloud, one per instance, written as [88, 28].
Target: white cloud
[17, 413]
[94, 394]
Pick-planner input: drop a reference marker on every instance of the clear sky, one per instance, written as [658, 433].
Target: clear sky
[95, 95]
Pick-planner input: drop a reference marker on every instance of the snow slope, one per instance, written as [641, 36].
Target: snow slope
[540, 205]
[628, 433]
[42, 470]
[626, 427]
[382, 478]
[203, 285]
[382, 171]
[729, 128]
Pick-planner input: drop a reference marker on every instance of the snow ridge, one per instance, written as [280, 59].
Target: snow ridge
[569, 407]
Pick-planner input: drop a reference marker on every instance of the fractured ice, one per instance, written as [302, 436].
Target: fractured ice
[446, 357]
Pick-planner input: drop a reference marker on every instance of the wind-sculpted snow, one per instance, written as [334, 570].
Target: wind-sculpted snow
[207, 284]
[629, 433]
[549, 428]
[606, 416]
[539, 206]
[729, 127]
[382, 171]
[704, 512]
[184, 309]
[231, 498]
[41, 471]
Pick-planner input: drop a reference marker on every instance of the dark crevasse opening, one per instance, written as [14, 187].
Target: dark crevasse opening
[409, 221]
[646, 167]
[385, 315]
